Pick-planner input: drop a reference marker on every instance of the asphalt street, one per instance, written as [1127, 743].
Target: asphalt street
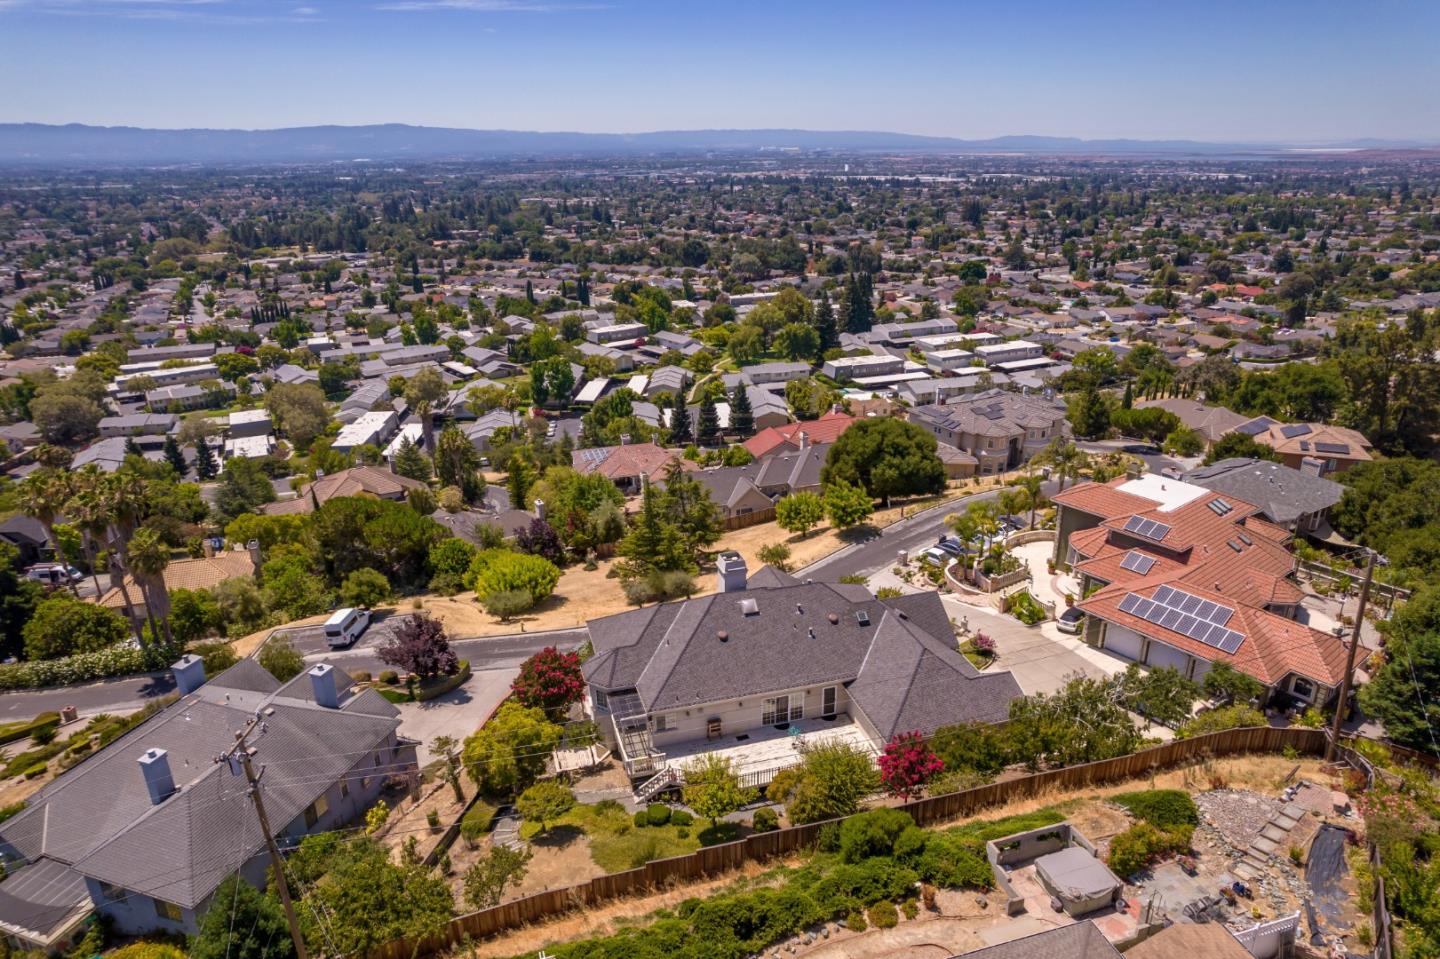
[111, 696]
[880, 550]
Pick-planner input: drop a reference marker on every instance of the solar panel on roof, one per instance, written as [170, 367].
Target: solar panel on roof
[1186, 625]
[1294, 430]
[1245, 539]
[1304, 446]
[1341, 448]
[1137, 562]
[1128, 604]
[1220, 507]
[1232, 641]
[1163, 594]
[1190, 603]
[1133, 523]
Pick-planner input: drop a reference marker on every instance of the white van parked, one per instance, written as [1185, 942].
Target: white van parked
[345, 626]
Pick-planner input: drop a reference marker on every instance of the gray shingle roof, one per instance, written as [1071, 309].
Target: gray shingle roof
[901, 663]
[1283, 493]
[1080, 940]
[99, 818]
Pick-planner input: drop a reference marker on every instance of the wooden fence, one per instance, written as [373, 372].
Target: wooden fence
[714, 860]
[752, 518]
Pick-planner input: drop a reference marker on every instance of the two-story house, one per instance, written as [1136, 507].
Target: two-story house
[998, 428]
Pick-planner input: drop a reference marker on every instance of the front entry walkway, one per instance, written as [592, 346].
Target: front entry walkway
[1040, 657]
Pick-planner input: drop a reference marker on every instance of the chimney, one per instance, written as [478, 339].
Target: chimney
[189, 673]
[730, 572]
[1312, 466]
[254, 547]
[804, 439]
[644, 480]
[539, 509]
[155, 767]
[322, 683]
[207, 545]
[1133, 473]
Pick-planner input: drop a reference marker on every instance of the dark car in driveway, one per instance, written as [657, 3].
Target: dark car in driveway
[1141, 449]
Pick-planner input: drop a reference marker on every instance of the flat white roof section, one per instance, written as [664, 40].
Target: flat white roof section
[1171, 494]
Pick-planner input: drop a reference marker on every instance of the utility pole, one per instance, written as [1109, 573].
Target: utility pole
[242, 752]
[1349, 661]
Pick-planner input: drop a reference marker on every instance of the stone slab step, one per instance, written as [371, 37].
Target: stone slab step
[1274, 833]
[1263, 846]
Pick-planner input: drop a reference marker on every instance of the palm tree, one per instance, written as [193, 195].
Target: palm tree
[88, 510]
[1034, 494]
[123, 495]
[148, 556]
[42, 496]
[1066, 458]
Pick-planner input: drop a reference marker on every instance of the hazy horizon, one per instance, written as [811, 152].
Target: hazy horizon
[1225, 71]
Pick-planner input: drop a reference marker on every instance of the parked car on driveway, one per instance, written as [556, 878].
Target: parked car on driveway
[1070, 620]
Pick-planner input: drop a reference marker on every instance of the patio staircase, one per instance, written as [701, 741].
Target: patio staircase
[1273, 841]
[658, 783]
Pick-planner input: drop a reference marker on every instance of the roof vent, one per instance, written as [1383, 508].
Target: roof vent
[811, 631]
[723, 636]
[862, 617]
[799, 609]
[749, 607]
[834, 619]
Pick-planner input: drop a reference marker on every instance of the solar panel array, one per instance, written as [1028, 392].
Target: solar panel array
[594, 455]
[1294, 430]
[1137, 562]
[994, 411]
[1219, 507]
[1181, 612]
[1341, 448]
[1148, 528]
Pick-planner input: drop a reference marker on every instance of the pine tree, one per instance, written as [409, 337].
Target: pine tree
[742, 419]
[1128, 400]
[411, 462]
[521, 478]
[174, 456]
[205, 466]
[825, 324]
[707, 430]
[530, 292]
[132, 448]
[680, 421]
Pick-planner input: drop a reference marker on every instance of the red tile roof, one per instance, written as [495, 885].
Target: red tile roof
[826, 429]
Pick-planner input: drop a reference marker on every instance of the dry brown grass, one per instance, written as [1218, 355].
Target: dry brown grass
[601, 920]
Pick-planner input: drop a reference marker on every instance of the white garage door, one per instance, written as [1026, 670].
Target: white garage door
[1162, 655]
[1123, 642]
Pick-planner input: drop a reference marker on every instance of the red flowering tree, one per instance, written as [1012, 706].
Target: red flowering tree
[550, 680]
[908, 764]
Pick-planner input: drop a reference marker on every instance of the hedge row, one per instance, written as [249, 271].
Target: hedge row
[11, 732]
[122, 660]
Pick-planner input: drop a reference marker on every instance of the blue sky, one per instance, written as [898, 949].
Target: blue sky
[1259, 70]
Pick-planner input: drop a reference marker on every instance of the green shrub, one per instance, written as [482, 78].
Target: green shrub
[884, 915]
[13, 809]
[679, 817]
[1163, 808]
[121, 660]
[641, 818]
[911, 908]
[872, 833]
[37, 770]
[1142, 844]
[865, 883]
[766, 819]
[389, 677]
[856, 921]
[954, 862]
[24, 763]
[148, 950]
[1226, 717]
[658, 814]
[683, 832]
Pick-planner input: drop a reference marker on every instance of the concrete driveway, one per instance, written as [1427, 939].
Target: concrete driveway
[1041, 658]
[458, 713]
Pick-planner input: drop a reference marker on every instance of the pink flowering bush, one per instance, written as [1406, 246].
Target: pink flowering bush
[908, 764]
[550, 680]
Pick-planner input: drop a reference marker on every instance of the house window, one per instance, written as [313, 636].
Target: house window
[783, 709]
[1303, 688]
[827, 702]
[315, 810]
[602, 701]
[659, 722]
[168, 910]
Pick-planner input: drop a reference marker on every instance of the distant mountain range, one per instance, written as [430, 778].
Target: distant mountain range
[78, 144]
